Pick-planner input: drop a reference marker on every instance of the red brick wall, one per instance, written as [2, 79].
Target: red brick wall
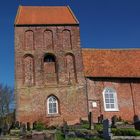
[35, 81]
[31, 98]
[128, 94]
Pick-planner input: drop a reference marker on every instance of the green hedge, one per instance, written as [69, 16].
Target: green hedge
[125, 132]
[60, 136]
[40, 126]
[98, 127]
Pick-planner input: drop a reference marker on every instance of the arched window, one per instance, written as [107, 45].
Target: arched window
[110, 99]
[52, 105]
[49, 64]
[49, 58]
[50, 69]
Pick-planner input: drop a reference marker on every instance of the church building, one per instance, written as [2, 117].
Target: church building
[56, 80]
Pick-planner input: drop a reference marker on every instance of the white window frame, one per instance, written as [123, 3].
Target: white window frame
[115, 100]
[56, 101]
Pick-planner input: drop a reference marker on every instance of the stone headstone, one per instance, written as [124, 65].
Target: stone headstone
[12, 126]
[29, 136]
[28, 126]
[106, 130]
[17, 125]
[38, 137]
[23, 130]
[119, 119]
[34, 125]
[65, 128]
[20, 124]
[91, 126]
[136, 118]
[5, 129]
[0, 131]
[100, 118]
[51, 136]
[136, 122]
[114, 121]
[71, 135]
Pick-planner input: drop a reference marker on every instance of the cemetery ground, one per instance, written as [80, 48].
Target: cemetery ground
[85, 130]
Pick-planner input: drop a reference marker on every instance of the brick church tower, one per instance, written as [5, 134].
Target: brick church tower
[49, 79]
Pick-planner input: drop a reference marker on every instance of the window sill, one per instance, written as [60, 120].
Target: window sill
[116, 110]
[52, 115]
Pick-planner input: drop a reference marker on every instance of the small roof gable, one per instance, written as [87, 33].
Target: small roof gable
[39, 15]
[111, 63]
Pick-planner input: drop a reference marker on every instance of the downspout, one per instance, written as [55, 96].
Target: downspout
[85, 81]
[133, 99]
[87, 96]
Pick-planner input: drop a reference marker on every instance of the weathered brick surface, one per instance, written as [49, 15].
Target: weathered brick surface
[36, 80]
[127, 94]
[34, 84]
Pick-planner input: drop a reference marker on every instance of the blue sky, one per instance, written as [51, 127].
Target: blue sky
[103, 24]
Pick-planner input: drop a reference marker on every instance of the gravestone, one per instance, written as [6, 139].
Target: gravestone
[119, 119]
[91, 126]
[114, 120]
[136, 122]
[71, 135]
[50, 136]
[34, 125]
[136, 118]
[23, 130]
[28, 126]
[65, 129]
[17, 125]
[0, 131]
[5, 129]
[20, 124]
[38, 137]
[106, 130]
[100, 118]
[12, 125]
[29, 136]
[137, 125]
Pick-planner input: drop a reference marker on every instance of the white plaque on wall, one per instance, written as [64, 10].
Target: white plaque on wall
[94, 104]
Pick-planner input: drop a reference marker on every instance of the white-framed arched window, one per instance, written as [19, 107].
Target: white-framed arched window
[110, 99]
[52, 105]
